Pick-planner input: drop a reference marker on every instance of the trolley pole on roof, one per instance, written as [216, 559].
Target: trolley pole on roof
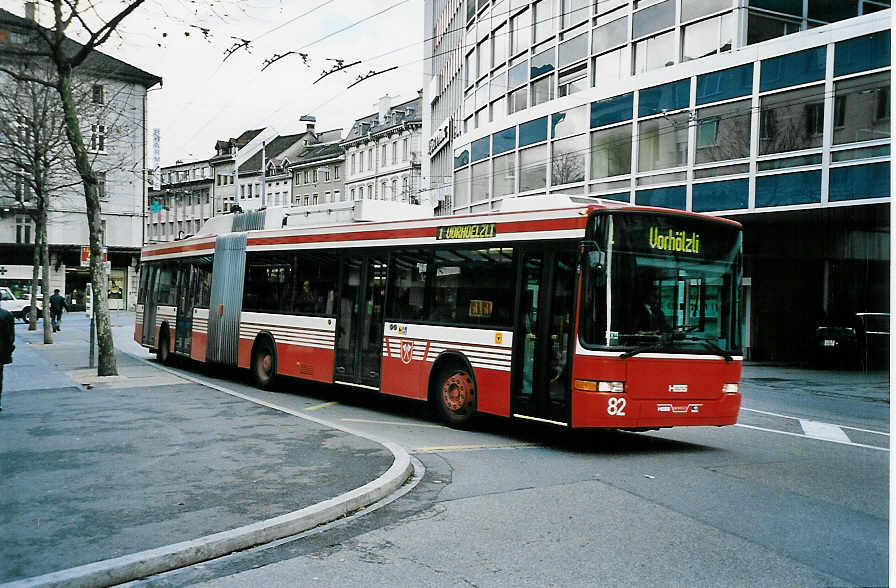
[236, 177]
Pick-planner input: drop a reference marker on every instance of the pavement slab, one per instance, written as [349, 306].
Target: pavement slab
[114, 467]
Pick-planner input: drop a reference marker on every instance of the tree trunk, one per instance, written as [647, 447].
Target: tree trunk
[106, 362]
[45, 254]
[35, 273]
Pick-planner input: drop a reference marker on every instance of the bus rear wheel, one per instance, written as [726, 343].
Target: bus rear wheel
[263, 364]
[455, 396]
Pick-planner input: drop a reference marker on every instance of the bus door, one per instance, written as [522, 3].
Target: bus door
[183, 333]
[226, 300]
[541, 388]
[149, 304]
[359, 320]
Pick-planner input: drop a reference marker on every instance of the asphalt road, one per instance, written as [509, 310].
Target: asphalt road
[796, 494]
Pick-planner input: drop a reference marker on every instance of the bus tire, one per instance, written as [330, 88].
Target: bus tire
[163, 350]
[455, 395]
[264, 363]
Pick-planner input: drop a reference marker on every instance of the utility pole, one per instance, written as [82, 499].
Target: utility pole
[263, 143]
[236, 176]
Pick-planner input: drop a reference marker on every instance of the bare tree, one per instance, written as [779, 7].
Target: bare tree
[35, 165]
[52, 46]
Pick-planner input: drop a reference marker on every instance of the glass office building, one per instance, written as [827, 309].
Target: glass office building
[773, 112]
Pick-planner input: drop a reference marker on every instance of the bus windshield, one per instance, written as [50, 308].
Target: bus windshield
[662, 283]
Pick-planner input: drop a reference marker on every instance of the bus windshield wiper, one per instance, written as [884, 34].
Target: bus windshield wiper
[712, 346]
[665, 338]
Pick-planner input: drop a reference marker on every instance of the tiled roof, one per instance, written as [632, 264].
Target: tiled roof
[272, 149]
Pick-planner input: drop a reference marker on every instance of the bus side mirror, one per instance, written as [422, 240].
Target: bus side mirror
[595, 260]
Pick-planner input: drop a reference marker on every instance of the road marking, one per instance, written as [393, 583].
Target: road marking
[397, 423]
[793, 418]
[319, 406]
[475, 446]
[788, 433]
[825, 431]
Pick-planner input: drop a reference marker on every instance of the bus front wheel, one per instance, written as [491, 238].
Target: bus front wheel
[455, 396]
[263, 364]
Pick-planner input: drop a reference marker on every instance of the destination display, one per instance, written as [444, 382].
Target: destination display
[477, 231]
[677, 236]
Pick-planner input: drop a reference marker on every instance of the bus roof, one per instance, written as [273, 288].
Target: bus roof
[520, 219]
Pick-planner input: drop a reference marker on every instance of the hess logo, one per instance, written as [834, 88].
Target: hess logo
[407, 351]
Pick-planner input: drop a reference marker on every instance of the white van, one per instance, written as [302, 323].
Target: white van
[18, 308]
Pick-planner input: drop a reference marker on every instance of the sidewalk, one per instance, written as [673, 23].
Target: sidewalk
[99, 468]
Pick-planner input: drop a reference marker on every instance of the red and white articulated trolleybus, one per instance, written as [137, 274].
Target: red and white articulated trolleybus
[579, 312]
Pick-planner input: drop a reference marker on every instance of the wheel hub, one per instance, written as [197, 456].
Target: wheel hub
[457, 392]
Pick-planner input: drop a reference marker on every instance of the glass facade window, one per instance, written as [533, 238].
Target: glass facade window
[498, 85]
[498, 109]
[520, 31]
[762, 26]
[672, 197]
[612, 110]
[791, 120]
[573, 12]
[610, 35]
[479, 149]
[499, 46]
[461, 157]
[611, 66]
[721, 170]
[793, 69]
[727, 195]
[663, 142]
[861, 153]
[665, 98]
[707, 37]
[461, 187]
[542, 90]
[658, 179]
[517, 100]
[723, 132]
[833, 11]
[542, 63]
[481, 182]
[611, 152]
[517, 75]
[859, 181]
[534, 131]
[727, 83]
[504, 175]
[533, 168]
[572, 80]
[785, 162]
[691, 9]
[544, 20]
[653, 18]
[504, 140]
[484, 57]
[862, 109]
[573, 50]
[654, 52]
[788, 189]
[568, 160]
[862, 53]
[571, 122]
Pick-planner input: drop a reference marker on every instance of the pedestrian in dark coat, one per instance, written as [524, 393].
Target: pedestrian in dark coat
[57, 304]
[7, 341]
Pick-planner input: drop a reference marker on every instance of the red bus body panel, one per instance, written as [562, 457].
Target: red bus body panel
[655, 393]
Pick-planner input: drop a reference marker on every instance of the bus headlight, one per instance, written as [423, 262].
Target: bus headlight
[730, 388]
[611, 387]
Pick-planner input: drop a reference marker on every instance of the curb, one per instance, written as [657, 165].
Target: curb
[177, 555]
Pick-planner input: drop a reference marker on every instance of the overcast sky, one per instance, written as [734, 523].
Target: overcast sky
[204, 98]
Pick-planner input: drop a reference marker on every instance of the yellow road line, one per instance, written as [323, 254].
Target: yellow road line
[400, 424]
[476, 446]
[319, 406]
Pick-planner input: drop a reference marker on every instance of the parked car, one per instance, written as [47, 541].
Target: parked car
[836, 347]
[18, 308]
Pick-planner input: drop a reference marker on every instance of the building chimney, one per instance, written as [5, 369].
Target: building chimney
[383, 105]
[309, 122]
[31, 11]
